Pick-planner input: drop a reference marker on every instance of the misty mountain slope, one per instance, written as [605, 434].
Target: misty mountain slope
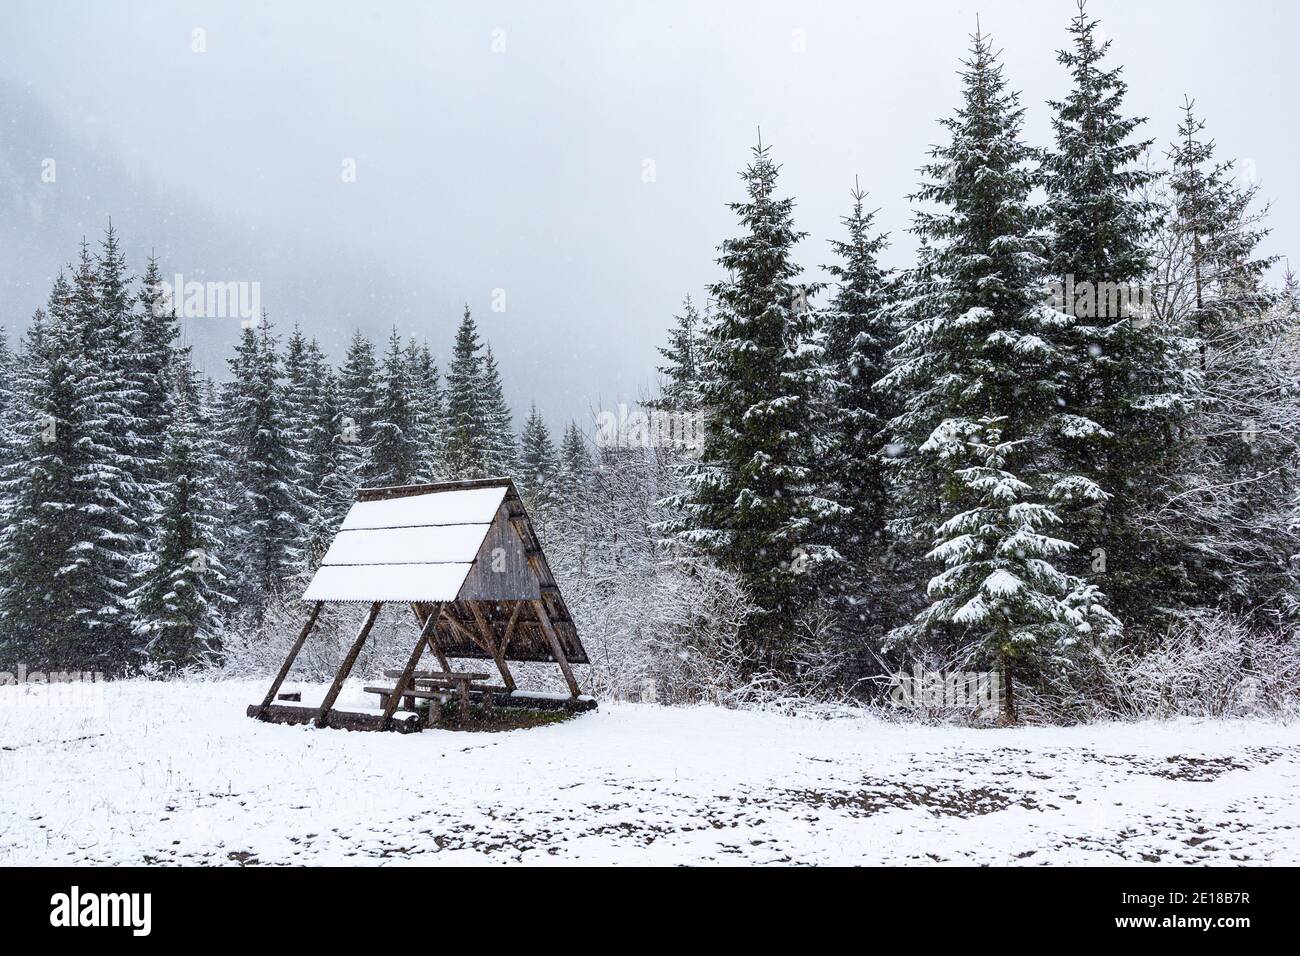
[43, 221]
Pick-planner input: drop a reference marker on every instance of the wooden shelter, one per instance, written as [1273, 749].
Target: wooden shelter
[463, 555]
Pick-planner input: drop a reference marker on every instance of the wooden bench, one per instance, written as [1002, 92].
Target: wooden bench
[409, 696]
[439, 685]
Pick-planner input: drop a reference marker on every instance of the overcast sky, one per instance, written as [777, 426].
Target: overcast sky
[506, 145]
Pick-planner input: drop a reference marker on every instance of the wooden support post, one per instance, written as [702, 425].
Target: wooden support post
[536, 561]
[269, 699]
[432, 636]
[431, 623]
[463, 631]
[505, 645]
[498, 652]
[464, 701]
[346, 668]
[557, 650]
[510, 627]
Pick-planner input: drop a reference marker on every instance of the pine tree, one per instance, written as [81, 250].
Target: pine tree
[1220, 231]
[537, 461]
[502, 458]
[1126, 377]
[304, 381]
[21, 530]
[181, 595]
[8, 410]
[114, 503]
[264, 539]
[467, 406]
[999, 579]
[394, 448]
[679, 389]
[111, 333]
[324, 469]
[155, 367]
[574, 469]
[859, 335]
[359, 401]
[1229, 502]
[981, 367]
[42, 523]
[64, 599]
[429, 412]
[299, 389]
[751, 503]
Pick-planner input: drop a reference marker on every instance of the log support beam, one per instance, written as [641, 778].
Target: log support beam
[557, 649]
[435, 612]
[404, 681]
[322, 719]
[494, 647]
[269, 699]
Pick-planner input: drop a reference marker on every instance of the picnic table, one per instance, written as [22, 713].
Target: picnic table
[439, 686]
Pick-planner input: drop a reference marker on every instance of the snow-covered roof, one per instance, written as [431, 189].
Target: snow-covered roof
[416, 547]
[443, 507]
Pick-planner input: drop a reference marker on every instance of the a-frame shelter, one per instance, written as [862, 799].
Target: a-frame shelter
[465, 558]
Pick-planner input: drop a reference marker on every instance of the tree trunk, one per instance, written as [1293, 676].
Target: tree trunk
[1008, 692]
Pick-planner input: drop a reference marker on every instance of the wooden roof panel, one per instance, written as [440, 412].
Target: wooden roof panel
[387, 582]
[422, 508]
[432, 544]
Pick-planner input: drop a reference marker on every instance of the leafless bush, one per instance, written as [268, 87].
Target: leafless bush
[257, 651]
[1214, 665]
[670, 634]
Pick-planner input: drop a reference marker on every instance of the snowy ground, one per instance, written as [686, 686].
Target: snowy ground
[175, 773]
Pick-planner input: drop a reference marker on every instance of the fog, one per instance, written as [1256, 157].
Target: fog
[570, 161]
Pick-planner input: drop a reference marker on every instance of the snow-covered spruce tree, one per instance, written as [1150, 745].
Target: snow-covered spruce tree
[999, 579]
[574, 469]
[64, 602]
[394, 448]
[1230, 500]
[860, 332]
[114, 502]
[8, 407]
[263, 538]
[679, 378]
[19, 386]
[467, 411]
[502, 446]
[155, 367]
[1219, 229]
[537, 462]
[750, 501]
[181, 595]
[41, 500]
[301, 395]
[112, 331]
[323, 464]
[980, 368]
[358, 400]
[297, 387]
[429, 412]
[1128, 389]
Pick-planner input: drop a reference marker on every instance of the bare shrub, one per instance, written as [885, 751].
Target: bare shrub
[257, 651]
[1212, 665]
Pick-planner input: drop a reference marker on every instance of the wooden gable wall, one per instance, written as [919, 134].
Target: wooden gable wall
[501, 571]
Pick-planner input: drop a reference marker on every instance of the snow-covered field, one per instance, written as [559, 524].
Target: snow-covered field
[175, 773]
